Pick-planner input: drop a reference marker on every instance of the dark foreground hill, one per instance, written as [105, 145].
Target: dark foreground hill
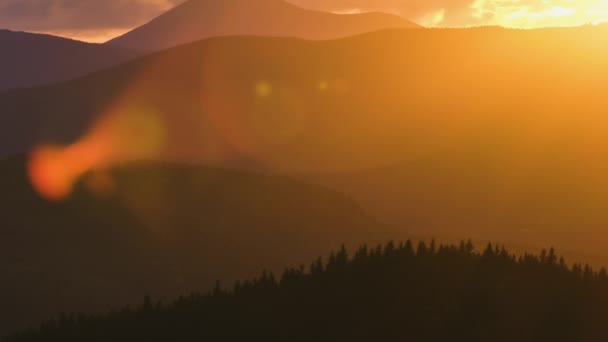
[164, 229]
[200, 19]
[29, 59]
[405, 293]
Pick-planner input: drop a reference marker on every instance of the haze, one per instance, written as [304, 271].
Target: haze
[100, 21]
[456, 168]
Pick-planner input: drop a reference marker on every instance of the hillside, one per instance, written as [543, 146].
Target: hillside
[200, 19]
[447, 131]
[29, 59]
[406, 292]
[379, 94]
[159, 228]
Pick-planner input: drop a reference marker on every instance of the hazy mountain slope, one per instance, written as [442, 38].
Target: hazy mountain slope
[32, 59]
[491, 133]
[199, 19]
[162, 229]
[523, 204]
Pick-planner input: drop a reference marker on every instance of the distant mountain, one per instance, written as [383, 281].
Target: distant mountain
[200, 19]
[29, 59]
[405, 292]
[158, 228]
[474, 132]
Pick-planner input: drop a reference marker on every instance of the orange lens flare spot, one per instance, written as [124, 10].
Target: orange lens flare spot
[263, 89]
[323, 86]
[135, 134]
[50, 174]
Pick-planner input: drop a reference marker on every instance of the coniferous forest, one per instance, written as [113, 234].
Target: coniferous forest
[401, 292]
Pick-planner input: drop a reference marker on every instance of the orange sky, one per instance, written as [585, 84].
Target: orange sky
[91, 36]
[547, 13]
[98, 21]
[463, 13]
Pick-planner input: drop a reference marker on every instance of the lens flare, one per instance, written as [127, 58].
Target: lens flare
[263, 89]
[49, 173]
[323, 86]
[119, 137]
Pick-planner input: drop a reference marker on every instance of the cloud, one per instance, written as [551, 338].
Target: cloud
[458, 13]
[451, 12]
[79, 15]
[88, 20]
[98, 20]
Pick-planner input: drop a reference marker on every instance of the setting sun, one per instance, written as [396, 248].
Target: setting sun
[534, 14]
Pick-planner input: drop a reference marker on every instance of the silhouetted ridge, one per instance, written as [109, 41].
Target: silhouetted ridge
[199, 19]
[422, 292]
[10, 35]
[29, 59]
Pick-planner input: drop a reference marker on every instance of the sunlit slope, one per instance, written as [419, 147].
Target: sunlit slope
[199, 19]
[161, 229]
[487, 132]
[28, 59]
[357, 102]
[548, 201]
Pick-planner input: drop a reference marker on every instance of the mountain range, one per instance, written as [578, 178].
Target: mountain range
[199, 19]
[447, 140]
[35, 59]
[29, 59]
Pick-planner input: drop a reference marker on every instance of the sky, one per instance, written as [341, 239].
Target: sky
[101, 20]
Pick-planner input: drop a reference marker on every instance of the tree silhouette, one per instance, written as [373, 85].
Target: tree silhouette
[440, 292]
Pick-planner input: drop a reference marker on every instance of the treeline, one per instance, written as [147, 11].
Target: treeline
[402, 292]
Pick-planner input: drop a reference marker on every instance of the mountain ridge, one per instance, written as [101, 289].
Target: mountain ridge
[184, 24]
[31, 59]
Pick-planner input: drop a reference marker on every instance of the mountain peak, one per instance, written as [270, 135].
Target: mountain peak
[200, 19]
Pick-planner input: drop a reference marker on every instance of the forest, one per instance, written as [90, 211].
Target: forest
[411, 291]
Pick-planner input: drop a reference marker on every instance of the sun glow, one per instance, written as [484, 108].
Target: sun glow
[89, 36]
[533, 13]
